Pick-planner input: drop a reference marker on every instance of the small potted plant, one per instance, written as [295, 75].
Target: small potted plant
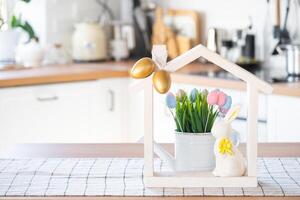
[11, 28]
[194, 116]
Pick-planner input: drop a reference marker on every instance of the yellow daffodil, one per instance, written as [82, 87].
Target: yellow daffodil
[225, 146]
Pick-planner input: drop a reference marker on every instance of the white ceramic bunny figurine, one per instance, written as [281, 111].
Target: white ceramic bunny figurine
[229, 160]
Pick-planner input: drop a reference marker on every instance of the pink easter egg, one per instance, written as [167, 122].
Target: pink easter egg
[212, 98]
[221, 99]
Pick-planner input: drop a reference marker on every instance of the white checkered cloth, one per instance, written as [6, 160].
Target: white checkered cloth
[124, 177]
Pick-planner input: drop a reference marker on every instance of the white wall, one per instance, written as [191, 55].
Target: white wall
[63, 14]
[35, 13]
[54, 20]
[229, 14]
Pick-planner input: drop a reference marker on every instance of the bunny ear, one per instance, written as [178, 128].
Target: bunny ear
[232, 113]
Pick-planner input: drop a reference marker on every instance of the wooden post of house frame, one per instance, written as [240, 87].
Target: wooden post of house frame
[148, 127]
[252, 102]
[159, 55]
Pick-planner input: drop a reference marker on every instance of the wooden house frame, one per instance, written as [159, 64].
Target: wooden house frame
[201, 179]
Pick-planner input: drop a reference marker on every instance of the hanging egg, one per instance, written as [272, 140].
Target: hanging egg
[221, 99]
[143, 68]
[162, 81]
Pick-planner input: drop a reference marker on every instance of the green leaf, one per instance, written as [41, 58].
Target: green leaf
[198, 123]
[195, 117]
[18, 23]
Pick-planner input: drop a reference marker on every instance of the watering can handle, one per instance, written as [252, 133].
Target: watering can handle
[164, 155]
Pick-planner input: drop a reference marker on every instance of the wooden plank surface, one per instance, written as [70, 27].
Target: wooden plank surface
[148, 198]
[126, 150]
[63, 73]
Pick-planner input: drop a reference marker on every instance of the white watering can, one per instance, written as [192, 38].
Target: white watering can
[193, 152]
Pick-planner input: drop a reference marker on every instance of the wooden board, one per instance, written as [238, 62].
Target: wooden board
[92, 71]
[63, 73]
[188, 18]
[199, 181]
[128, 150]
[148, 198]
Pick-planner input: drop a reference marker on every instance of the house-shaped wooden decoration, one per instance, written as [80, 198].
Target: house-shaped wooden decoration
[201, 179]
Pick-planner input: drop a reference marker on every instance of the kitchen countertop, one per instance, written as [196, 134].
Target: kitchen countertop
[18, 76]
[190, 74]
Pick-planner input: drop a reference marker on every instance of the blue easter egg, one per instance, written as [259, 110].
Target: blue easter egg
[171, 100]
[228, 103]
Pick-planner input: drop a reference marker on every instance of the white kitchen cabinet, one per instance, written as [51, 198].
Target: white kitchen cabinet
[135, 115]
[105, 111]
[45, 113]
[283, 119]
[109, 113]
[80, 112]
[240, 125]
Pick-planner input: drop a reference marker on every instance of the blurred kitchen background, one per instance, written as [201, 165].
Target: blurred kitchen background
[54, 21]
[224, 26]
[263, 36]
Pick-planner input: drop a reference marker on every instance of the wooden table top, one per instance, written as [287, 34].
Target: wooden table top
[84, 150]
[148, 198]
[14, 76]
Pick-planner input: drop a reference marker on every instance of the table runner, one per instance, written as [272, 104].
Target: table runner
[124, 177]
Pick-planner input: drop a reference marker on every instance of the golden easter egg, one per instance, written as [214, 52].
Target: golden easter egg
[143, 68]
[162, 81]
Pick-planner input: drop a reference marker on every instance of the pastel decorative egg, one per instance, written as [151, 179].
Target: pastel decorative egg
[180, 95]
[212, 98]
[221, 99]
[171, 100]
[143, 68]
[204, 92]
[193, 95]
[228, 103]
[162, 81]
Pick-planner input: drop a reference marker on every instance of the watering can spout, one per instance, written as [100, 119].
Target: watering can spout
[164, 155]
